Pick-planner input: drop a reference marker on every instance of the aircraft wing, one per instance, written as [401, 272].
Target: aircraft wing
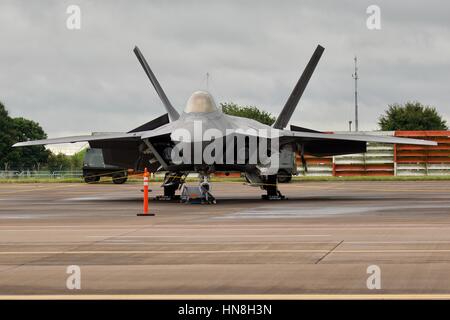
[330, 144]
[313, 136]
[86, 138]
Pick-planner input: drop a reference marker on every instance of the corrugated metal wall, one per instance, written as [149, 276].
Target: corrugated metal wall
[387, 159]
[418, 160]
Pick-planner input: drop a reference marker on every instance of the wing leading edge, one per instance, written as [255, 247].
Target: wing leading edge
[86, 138]
[313, 136]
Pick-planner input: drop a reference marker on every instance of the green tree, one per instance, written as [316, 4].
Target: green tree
[76, 160]
[32, 157]
[62, 162]
[250, 112]
[13, 130]
[58, 162]
[411, 116]
[6, 140]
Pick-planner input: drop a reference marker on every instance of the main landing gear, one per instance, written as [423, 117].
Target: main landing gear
[271, 187]
[202, 194]
[172, 182]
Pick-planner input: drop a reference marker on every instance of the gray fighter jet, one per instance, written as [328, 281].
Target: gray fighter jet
[202, 139]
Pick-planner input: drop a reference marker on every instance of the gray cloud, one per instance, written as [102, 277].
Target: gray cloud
[75, 82]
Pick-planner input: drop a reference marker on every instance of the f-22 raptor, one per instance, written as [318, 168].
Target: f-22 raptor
[204, 140]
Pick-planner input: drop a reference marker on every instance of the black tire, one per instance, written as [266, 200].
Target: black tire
[284, 176]
[169, 191]
[271, 185]
[91, 178]
[119, 178]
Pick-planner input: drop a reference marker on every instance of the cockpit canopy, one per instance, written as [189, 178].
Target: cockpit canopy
[200, 101]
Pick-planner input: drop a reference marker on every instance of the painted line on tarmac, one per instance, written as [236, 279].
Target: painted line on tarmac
[112, 252]
[66, 230]
[380, 296]
[236, 227]
[400, 242]
[216, 236]
[208, 227]
[158, 229]
[38, 188]
[127, 242]
[122, 227]
[157, 251]
[366, 188]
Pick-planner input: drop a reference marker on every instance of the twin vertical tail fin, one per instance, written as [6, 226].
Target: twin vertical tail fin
[297, 93]
[288, 108]
[173, 114]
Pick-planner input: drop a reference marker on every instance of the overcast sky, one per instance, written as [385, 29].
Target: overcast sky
[79, 81]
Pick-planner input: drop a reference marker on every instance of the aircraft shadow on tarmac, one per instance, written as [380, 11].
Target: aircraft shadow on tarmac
[255, 200]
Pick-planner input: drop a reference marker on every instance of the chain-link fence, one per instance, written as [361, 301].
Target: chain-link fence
[30, 174]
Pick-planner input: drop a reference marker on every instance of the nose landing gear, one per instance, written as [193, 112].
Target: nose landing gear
[198, 194]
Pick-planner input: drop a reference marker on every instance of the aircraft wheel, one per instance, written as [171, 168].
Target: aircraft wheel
[91, 179]
[119, 178]
[169, 191]
[284, 176]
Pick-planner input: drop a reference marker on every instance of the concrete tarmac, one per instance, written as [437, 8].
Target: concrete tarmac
[321, 240]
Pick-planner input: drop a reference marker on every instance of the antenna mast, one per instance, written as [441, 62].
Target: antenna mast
[355, 76]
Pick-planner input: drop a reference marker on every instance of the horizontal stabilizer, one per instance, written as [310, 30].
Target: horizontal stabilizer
[151, 125]
[301, 129]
